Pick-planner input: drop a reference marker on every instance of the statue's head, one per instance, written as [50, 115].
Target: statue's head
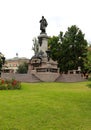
[42, 17]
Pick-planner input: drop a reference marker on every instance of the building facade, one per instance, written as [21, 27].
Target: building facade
[11, 65]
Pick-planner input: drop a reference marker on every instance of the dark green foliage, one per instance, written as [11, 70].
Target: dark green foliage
[2, 61]
[70, 49]
[23, 68]
[88, 61]
[54, 46]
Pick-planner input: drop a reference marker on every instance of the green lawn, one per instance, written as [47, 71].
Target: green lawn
[46, 106]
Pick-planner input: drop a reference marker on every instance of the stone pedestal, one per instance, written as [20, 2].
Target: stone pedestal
[43, 43]
[42, 66]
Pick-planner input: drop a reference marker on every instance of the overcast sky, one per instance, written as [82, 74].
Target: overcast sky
[19, 22]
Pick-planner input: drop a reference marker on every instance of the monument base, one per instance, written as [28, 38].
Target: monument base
[46, 70]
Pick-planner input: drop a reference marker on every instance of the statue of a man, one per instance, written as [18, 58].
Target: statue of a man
[43, 24]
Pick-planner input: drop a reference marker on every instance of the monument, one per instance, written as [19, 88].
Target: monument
[41, 64]
[41, 67]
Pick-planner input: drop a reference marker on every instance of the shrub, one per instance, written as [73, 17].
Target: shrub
[9, 84]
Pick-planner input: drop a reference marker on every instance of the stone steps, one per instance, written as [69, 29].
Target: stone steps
[21, 77]
[43, 77]
[70, 78]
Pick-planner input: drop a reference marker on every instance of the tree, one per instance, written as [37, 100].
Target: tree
[88, 62]
[2, 61]
[70, 49]
[22, 68]
[53, 45]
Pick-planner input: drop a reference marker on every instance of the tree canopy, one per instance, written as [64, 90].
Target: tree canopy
[70, 49]
[2, 61]
[22, 68]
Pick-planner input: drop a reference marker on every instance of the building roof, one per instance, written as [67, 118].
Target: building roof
[17, 58]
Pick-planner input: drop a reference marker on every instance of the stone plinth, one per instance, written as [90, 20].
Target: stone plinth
[47, 76]
[43, 43]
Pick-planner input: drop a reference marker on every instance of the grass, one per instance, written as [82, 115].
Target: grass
[46, 106]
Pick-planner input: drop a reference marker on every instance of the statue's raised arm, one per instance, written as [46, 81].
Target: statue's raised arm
[43, 25]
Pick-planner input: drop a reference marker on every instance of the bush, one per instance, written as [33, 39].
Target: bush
[9, 84]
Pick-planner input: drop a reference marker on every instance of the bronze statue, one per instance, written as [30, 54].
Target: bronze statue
[43, 25]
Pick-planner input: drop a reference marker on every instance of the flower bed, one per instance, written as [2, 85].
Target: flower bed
[9, 84]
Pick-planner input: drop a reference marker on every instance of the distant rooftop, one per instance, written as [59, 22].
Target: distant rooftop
[18, 58]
